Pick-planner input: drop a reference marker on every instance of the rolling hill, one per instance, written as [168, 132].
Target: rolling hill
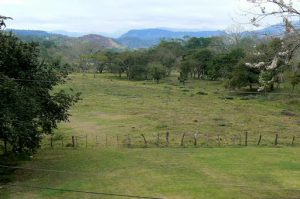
[146, 38]
[65, 47]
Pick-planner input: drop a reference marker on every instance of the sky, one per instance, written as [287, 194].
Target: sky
[118, 16]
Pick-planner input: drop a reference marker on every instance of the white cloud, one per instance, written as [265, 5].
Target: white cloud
[120, 15]
[11, 2]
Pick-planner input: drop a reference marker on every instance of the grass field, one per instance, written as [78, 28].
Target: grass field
[113, 107]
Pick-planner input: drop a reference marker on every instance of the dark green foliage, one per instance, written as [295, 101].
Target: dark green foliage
[295, 80]
[157, 71]
[196, 43]
[243, 76]
[28, 106]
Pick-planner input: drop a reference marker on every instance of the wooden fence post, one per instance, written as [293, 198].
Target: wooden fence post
[276, 140]
[195, 139]
[207, 139]
[240, 140]
[51, 142]
[182, 140]
[219, 141]
[73, 141]
[259, 140]
[86, 141]
[145, 141]
[246, 138]
[117, 141]
[128, 141]
[167, 139]
[234, 140]
[293, 141]
[106, 141]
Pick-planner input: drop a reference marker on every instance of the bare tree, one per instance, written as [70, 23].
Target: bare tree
[234, 35]
[2, 23]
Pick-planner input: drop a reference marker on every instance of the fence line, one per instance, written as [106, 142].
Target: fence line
[173, 140]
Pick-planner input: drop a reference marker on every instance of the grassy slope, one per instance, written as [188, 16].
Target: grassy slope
[113, 107]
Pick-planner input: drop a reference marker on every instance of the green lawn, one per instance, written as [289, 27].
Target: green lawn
[167, 173]
[113, 108]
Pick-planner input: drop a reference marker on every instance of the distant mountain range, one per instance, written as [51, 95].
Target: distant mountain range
[148, 37]
[133, 39]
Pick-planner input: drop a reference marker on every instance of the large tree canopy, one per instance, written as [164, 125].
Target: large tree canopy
[29, 106]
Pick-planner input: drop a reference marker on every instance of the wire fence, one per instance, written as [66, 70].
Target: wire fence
[169, 140]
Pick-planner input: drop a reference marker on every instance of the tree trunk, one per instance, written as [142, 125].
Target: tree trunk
[272, 87]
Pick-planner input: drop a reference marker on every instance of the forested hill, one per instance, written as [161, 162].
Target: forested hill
[148, 37]
[68, 48]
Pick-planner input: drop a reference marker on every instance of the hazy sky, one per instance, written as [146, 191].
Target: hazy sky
[113, 16]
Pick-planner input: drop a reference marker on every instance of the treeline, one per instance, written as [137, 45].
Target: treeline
[240, 61]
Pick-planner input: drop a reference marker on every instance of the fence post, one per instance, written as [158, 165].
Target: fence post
[106, 141]
[128, 141]
[76, 141]
[259, 140]
[294, 138]
[246, 138]
[86, 141]
[167, 139]
[276, 140]
[51, 142]
[73, 141]
[182, 140]
[234, 140]
[145, 141]
[240, 140]
[219, 140]
[158, 140]
[195, 139]
[207, 139]
[117, 141]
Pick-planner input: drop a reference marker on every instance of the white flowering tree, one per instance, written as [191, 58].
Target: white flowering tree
[271, 64]
[270, 60]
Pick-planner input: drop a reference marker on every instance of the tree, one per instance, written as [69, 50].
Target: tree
[243, 76]
[29, 106]
[100, 59]
[288, 12]
[157, 71]
[2, 23]
[234, 35]
[203, 58]
[167, 53]
[295, 78]
[270, 60]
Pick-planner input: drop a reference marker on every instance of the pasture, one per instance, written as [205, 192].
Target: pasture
[220, 166]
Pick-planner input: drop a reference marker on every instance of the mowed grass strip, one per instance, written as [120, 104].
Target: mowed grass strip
[167, 173]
